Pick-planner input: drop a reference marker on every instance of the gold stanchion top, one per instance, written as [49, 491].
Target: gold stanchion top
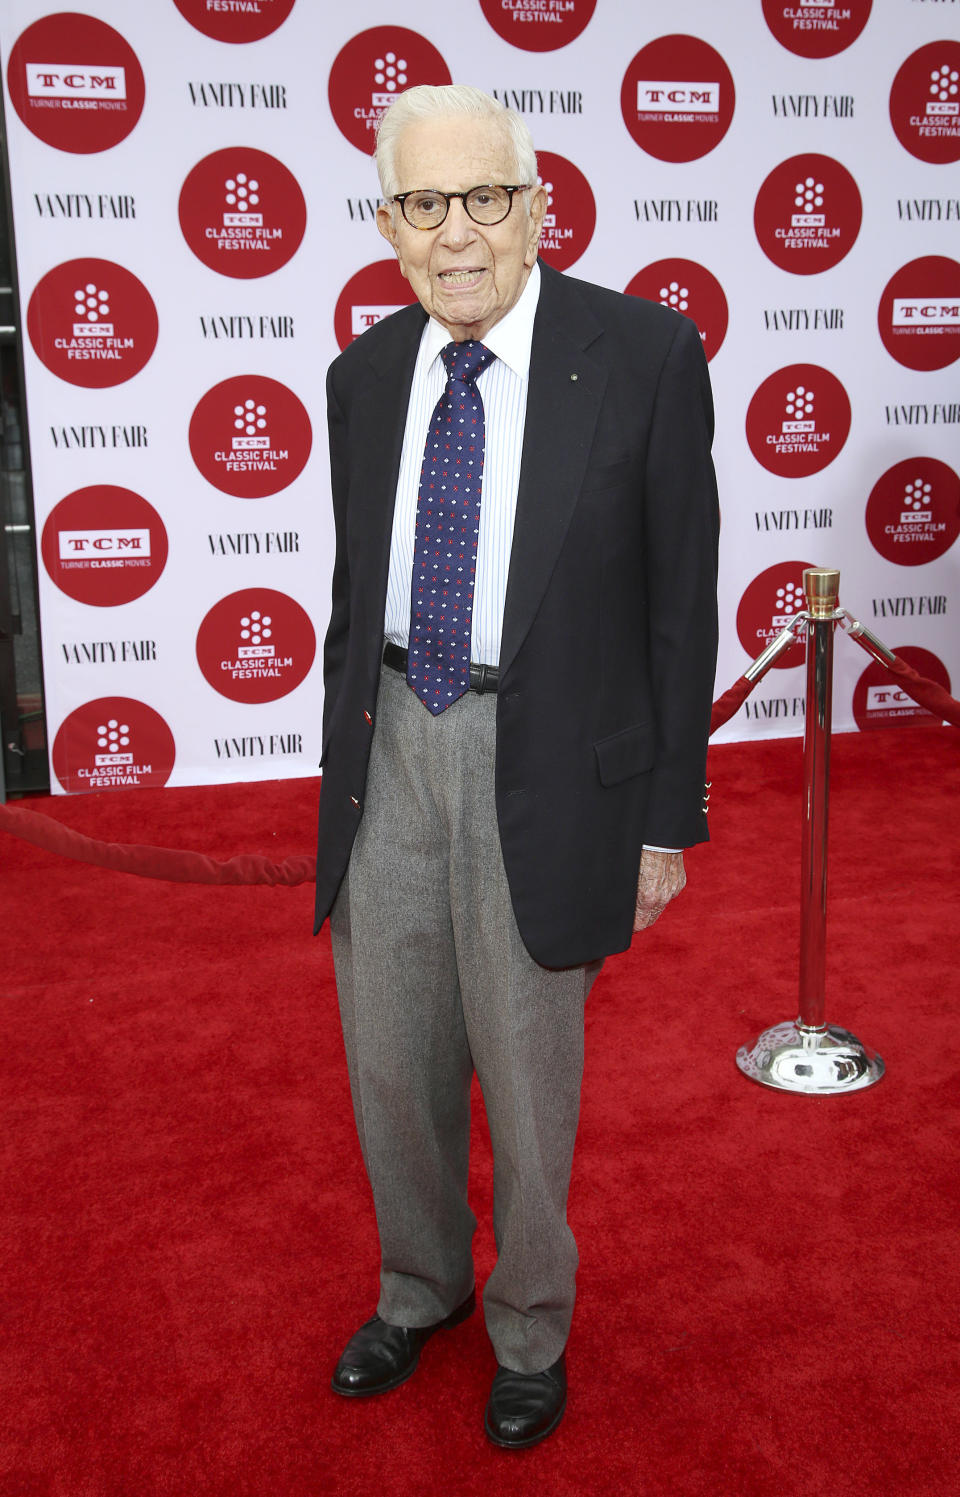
[822, 587]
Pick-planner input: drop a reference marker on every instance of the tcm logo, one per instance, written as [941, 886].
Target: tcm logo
[75, 544]
[113, 736]
[916, 311]
[250, 418]
[888, 699]
[363, 317]
[241, 193]
[255, 627]
[56, 80]
[944, 86]
[676, 97]
[809, 195]
[390, 73]
[93, 304]
[799, 408]
[789, 601]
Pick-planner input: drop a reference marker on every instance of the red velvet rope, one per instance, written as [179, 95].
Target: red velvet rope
[731, 701]
[183, 867]
[926, 692]
[173, 864]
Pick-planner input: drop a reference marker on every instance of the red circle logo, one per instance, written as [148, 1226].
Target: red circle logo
[250, 436]
[92, 323]
[104, 545]
[571, 215]
[807, 214]
[242, 213]
[235, 23]
[919, 313]
[690, 289]
[369, 296]
[538, 25]
[816, 28]
[879, 701]
[371, 70]
[913, 513]
[75, 83]
[255, 645]
[769, 604]
[114, 743]
[798, 420]
[677, 98]
[925, 103]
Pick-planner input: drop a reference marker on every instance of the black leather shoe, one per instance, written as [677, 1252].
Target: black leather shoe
[526, 1407]
[381, 1356]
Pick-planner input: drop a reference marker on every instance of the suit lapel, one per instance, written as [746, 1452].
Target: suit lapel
[565, 394]
[381, 411]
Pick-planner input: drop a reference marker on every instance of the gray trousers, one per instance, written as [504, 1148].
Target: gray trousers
[434, 982]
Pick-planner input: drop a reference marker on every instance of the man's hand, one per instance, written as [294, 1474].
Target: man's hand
[661, 879]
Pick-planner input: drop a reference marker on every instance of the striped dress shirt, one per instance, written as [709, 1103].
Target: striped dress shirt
[503, 390]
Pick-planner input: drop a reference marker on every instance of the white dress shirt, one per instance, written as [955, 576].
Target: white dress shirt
[503, 390]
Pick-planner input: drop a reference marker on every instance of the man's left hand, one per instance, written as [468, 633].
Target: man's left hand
[662, 878]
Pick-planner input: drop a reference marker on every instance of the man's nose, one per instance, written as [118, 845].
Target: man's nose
[458, 227]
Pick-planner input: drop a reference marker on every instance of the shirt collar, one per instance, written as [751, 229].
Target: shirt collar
[510, 338]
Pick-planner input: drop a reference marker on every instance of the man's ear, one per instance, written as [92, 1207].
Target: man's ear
[386, 225]
[388, 228]
[538, 207]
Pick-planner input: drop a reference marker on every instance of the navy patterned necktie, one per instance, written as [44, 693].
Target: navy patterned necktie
[448, 529]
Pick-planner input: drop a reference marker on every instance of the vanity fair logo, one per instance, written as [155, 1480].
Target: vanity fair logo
[879, 701]
[113, 743]
[235, 20]
[919, 313]
[250, 436]
[807, 214]
[255, 645]
[92, 323]
[372, 294]
[371, 70]
[798, 420]
[925, 103]
[571, 215]
[242, 212]
[75, 83]
[104, 545]
[677, 98]
[538, 25]
[769, 604]
[816, 28]
[913, 513]
[688, 288]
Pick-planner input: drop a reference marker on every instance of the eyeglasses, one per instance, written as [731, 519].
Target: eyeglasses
[426, 208]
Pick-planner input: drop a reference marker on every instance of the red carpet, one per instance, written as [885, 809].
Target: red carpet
[768, 1284]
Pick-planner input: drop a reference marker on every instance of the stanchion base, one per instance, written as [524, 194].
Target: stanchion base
[818, 1061]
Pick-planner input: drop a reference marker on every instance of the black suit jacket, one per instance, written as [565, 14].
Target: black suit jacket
[609, 630]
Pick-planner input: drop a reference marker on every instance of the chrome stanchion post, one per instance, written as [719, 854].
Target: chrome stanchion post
[811, 1055]
[821, 587]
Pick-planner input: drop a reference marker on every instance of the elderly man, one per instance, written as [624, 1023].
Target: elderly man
[518, 674]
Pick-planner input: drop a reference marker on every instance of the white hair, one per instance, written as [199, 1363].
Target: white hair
[428, 101]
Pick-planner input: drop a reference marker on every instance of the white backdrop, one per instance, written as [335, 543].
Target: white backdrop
[193, 250]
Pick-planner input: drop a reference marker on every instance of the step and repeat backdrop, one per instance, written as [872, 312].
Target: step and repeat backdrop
[194, 201]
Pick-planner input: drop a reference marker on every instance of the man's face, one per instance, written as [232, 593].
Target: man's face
[466, 275]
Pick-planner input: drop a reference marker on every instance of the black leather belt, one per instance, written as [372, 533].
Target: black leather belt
[482, 677]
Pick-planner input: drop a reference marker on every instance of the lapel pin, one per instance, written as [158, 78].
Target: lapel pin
[574, 376]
